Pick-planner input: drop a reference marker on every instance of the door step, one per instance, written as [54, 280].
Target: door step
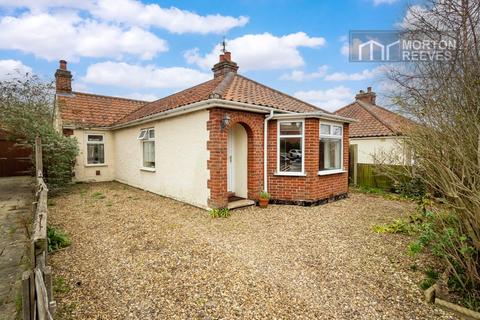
[240, 204]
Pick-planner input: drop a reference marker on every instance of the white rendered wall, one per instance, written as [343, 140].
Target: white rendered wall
[180, 158]
[389, 150]
[86, 172]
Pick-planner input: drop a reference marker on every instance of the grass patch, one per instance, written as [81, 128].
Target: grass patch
[397, 226]
[220, 213]
[60, 286]
[57, 239]
[98, 195]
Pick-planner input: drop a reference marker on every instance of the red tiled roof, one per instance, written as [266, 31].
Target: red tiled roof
[94, 110]
[194, 94]
[232, 87]
[373, 120]
[84, 109]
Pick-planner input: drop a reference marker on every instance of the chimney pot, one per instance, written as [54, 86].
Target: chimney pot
[228, 56]
[368, 97]
[63, 65]
[63, 78]
[225, 65]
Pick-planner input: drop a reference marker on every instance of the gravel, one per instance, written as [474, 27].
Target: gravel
[137, 255]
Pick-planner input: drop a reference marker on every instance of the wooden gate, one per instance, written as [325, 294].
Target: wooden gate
[353, 164]
[15, 157]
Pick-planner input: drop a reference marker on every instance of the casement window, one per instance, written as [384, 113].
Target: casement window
[290, 147]
[95, 149]
[147, 137]
[331, 141]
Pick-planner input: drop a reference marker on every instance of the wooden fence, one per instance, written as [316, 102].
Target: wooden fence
[37, 294]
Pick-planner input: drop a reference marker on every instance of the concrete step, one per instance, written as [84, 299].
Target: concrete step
[240, 204]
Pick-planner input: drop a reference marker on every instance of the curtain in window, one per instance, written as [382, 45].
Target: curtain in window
[95, 154]
[149, 154]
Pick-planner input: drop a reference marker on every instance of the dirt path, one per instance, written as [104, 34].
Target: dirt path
[136, 255]
[15, 203]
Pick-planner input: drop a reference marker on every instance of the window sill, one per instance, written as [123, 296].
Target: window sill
[147, 169]
[96, 165]
[292, 174]
[328, 172]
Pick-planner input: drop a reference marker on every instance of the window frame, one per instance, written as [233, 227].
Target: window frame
[87, 142]
[146, 138]
[331, 136]
[302, 136]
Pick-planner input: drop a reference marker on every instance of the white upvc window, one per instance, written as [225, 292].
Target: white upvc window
[95, 149]
[331, 148]
[147, 137]
[290, 147]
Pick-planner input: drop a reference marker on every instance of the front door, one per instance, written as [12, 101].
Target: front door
[230, 166]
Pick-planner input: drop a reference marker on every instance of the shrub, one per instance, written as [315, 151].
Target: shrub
[27, 109]
[414, 187]
[397, 226]
[264, 195]
[57, 239]
[220, 213]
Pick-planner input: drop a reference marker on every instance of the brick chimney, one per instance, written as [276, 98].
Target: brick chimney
[368, 97]
[225, 65]
[63, 78]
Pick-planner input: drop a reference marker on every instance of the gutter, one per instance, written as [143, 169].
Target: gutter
[319, 115]
[265, 151]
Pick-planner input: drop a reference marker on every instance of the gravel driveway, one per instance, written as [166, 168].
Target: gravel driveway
[136, 255]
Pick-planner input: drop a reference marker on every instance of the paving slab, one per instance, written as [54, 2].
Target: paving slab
[16, 196]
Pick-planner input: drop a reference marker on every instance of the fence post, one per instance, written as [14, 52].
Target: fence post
[26, 298]
[38, 156]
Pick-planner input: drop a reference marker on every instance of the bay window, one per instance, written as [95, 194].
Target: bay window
[331, 151]
[95, 149]
[147, 136]
[290, 148]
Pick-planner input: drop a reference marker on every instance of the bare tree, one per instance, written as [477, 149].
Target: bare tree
[443, 97]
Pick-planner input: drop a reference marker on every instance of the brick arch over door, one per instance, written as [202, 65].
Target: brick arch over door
[217, 146]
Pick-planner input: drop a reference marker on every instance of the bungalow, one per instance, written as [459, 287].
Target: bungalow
[378, 134]
[224, 139]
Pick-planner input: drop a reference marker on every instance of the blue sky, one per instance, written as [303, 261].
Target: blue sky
[145, 49]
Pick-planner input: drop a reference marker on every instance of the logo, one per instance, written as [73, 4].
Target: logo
[397, 46]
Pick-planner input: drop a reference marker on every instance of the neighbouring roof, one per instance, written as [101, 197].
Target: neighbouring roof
[85, 109]
[373, 120]
[230, 87]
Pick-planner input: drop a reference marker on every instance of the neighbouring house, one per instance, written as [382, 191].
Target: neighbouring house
[378, 134]
[224, 139]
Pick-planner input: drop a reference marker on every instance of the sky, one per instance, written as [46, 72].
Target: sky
[149, 49]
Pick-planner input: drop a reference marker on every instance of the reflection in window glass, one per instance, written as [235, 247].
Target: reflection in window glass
[95, 149]
[290, 146]
[330, 153]
[325, 129]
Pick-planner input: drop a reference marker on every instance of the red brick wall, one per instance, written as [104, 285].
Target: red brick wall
[253, 124]
[310, 188]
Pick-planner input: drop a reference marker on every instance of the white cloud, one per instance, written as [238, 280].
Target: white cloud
[136, 13]
[67, 35]
[13, 68]
[379, 2]
[171, 19]
[299, 75]
[356, 76]
[345, 49]
[329, 99]
[127, 75]
[142, 96]
[260, 51]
